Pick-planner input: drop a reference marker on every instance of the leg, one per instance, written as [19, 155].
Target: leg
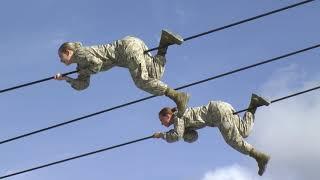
[142, 80]
[246, 124]
[228, 126]
[231, 134]
[156, 87]
[141, 68]
[156, 66]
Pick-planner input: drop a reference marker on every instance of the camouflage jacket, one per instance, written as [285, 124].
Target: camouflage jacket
[91, 60]
[186, 126]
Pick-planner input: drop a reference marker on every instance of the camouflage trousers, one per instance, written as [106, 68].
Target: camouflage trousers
[146, 70]
[232, 127]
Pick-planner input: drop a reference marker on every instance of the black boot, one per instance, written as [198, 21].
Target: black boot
[257, 101]
[262, 160]
[168, 38]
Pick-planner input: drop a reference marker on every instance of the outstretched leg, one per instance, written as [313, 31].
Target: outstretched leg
[146, 74]
[234, 130]
[233, 137]
[246, 124]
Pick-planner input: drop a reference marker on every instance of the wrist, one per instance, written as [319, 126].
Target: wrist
[68, 79]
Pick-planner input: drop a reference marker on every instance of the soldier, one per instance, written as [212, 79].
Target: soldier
[216, 114]
[146, 70]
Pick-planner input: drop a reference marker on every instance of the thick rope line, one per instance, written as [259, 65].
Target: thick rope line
[285, 97]
[150, 97]
[238, 23]
[186, 39]
[75, 157]
[131, 142]
[34, 82]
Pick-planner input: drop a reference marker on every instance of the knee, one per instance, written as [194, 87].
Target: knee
[245, 133]
[161, 60]
[140, 83]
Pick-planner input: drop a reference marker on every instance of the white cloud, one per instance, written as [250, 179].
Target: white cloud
[288, 130]
[234, 172]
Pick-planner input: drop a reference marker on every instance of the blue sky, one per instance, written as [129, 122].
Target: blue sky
[31, 32]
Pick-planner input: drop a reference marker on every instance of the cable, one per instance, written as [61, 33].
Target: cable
[186, 39]
[238, 23]
[149, 97]
[283, 98]
[131, 142]
[75, 157]
[34, 82]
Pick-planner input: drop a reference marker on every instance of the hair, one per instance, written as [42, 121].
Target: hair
[167, 110]
[73, 46]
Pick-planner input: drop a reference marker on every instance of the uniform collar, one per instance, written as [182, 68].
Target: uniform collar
[74, 57]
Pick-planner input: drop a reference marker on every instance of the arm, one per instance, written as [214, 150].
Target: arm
[175, 134]
[88, 64]
[82, 82]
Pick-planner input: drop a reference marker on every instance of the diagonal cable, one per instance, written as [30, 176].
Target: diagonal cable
[131, 142]
[185, 39]
[149, 97]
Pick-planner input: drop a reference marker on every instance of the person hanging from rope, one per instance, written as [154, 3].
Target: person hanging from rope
[146, 70]
[216, 114]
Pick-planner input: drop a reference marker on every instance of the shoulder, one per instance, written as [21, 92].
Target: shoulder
[83, 55]
[82, 52]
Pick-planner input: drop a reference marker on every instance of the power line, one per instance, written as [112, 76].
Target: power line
[186, 39]
[239, 22]
[131, 142]
[149, 97]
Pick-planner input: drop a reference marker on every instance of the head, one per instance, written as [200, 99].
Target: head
[66, 51]
[166, 116]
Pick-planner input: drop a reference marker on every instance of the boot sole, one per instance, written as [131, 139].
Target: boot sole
[265, 102]
[173, 37]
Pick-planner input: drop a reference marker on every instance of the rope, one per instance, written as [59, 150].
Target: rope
[150, 97]
[75, 157]
[127, 143]
[186, 39]
[238, 23]
[285, 97]
[34, 82]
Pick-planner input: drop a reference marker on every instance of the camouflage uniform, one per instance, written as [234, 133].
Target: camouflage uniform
[146, 70]
[215, 114]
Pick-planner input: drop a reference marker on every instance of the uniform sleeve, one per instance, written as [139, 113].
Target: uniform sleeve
[175, 134]
[89, 61]
[95, 63]
[82, 82]
[87, 64]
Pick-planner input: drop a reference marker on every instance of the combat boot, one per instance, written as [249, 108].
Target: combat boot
[257, 101]
[168, 38]
[180, 98]
[262, 160]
